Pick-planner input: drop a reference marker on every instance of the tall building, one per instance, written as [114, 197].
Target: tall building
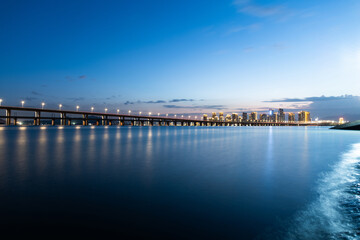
[253, 116]
[205, 117]
[244, 117]
[275, 117]
[221, 116]
[214, 117]
[228, 118]
[291, 117]
[304, 116]
[281, 115]
[235, 117]
[263, 117]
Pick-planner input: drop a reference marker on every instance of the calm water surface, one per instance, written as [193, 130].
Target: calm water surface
[185, 182]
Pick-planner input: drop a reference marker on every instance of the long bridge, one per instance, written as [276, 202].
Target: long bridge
[41, 116]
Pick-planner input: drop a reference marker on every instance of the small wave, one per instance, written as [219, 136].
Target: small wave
[336, 212]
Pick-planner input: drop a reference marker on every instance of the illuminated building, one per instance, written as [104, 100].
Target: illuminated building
[244, 117]
[341, 120]
[221, 116]
[228, 118]
[275, 117]
[205, 117]
[263, 117]
[235, 117]
[214, 117]
[253, 116]
[281, 115]
[291, 117]
[304, 116]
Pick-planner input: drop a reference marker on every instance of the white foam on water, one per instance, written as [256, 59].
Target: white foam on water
[336, 212]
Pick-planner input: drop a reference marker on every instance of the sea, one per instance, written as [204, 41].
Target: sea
[130, 182]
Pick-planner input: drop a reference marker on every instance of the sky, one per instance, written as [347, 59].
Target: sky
[185, 57]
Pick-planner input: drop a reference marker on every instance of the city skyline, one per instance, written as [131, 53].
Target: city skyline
[193, 58]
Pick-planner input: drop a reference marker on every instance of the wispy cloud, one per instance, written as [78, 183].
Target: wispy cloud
[251, 27]
[176, 100]
[146, 102]
[181, 100]
[73, 79]
[217, 107]
[250, 8]
[76, 99]
[36, 93]
[314, 99]
[31, 98]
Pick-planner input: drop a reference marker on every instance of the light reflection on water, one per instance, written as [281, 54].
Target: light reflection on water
[209, 178]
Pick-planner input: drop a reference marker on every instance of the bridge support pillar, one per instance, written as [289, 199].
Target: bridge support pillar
[15, 121]
[85, 120]
[37, 118]
[8, 116]
[62, 118]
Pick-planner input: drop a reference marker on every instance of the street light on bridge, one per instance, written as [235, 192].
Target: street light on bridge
[22, 103]
[129, 112]
[77, 108]
[92, 109]
[139, 113]
[42, 105]
[106, 110]
[175, 115]
[118, 110]
[167, 114]
[149, 113]
[158, 114]
[0, 101]
[60, 106]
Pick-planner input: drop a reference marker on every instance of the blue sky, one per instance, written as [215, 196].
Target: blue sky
[182, 56]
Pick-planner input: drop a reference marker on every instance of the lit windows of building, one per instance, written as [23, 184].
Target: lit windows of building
[291, 117]
[244, 117]
[235, 117]
[281, 115]
[263, 117]
[253, 116]
[304, 116]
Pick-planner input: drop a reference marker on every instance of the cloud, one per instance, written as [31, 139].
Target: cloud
[251, 27]
[36, 93]
[73, 79]
[181, 100]
[248, 49]
[314, 99]
[158, 101]
[31, 98]
[329, 108]
[279, 46]
[249, 8]
[146, 102]
[217, 107]
[77, 99]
